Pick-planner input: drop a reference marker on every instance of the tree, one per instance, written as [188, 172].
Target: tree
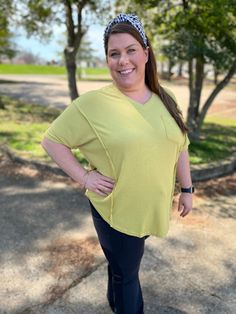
[6, 46]
[199, 32]
[85, 51]
[40, 16]
[7, 49]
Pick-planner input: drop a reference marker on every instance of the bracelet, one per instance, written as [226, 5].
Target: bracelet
[86, 178]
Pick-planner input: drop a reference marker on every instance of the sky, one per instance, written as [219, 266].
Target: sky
[50, 50]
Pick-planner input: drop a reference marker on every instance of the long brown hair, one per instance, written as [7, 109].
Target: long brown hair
[151, 78]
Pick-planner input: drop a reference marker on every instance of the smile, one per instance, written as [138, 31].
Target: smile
[126, 72]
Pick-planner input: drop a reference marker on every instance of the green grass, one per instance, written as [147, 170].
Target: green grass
[23, 125]
[22, 128]
[32, 69]
[97, 71]
[218, 141]
[18, 69]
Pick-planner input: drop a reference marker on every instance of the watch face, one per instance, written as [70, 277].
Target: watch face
[188, 190]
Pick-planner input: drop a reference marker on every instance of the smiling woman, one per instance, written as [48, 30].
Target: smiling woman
[126, 60]
[135, 140]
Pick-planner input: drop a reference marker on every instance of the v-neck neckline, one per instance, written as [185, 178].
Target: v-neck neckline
[135, 102]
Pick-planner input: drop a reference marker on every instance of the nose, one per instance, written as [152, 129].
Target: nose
[123, 59]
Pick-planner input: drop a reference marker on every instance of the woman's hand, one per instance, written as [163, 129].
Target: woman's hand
[98, 183]
[185, 204]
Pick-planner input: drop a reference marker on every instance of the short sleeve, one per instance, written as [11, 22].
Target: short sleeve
[71, 128]
[186, 142]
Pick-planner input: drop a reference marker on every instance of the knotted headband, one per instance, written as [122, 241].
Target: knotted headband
[127, 18]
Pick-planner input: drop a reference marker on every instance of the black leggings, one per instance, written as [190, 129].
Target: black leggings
[123, 253]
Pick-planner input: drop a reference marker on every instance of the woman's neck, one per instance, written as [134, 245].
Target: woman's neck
[141, 95]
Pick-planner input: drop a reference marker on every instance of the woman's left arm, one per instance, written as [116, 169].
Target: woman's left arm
[184, 178]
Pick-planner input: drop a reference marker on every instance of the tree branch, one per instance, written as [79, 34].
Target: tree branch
[216, 91]
[185, 4]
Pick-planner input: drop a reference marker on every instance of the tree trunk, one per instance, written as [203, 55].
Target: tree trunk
[215, 92]
[2, 105]
[74, 35]
[195, 89]
[162, 69]
[216, 73]
[170, 66]
[180, 69]
[70, 58]
[195, 118]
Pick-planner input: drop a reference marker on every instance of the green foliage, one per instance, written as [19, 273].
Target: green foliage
[39, 17]
[6, 46]
[197, 29]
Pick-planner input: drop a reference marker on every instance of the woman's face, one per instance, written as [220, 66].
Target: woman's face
[126, 60]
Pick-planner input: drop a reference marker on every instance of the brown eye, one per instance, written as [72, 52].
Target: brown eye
[114, 54]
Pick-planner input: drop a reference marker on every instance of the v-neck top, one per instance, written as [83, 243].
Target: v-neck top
[138, 145]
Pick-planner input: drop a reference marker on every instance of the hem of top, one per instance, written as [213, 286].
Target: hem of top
[123, 230]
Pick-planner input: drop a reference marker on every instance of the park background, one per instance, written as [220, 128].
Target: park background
[195, 47]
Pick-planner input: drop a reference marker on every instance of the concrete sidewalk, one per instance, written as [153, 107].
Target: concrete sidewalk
[51, 262]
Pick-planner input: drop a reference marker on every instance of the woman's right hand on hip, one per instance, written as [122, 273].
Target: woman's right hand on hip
[98, 183]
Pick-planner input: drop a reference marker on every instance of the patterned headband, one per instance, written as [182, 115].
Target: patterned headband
[127, 18]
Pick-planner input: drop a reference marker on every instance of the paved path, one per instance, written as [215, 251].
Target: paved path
[43, 89]
[53, 90]
[51, 262]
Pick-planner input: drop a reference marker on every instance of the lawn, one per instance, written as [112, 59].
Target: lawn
[218, 141]
[22, 127]
[32, 69]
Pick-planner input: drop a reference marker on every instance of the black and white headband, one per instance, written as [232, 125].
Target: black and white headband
[127, 18]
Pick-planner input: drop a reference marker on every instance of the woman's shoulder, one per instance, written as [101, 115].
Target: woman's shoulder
[93, 97]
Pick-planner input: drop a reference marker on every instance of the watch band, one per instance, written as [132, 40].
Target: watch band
[188, 190]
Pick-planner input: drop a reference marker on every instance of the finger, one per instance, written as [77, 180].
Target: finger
[106, 191]
[188, 211]
[180, 207]
[99, 192]
[104, 188]
[107, 184]
[185, 212]
[108, 179]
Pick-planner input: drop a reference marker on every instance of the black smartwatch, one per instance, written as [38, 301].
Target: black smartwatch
[188, 190]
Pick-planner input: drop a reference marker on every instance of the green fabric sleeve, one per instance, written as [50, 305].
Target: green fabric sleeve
[185, 144]
[70, 128]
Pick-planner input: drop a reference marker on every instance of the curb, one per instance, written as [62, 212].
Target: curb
[214, 169]
[201, 172]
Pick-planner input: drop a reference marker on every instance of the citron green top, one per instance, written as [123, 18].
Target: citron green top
[136, 145]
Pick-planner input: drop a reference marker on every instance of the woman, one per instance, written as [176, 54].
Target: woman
[133, 136]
